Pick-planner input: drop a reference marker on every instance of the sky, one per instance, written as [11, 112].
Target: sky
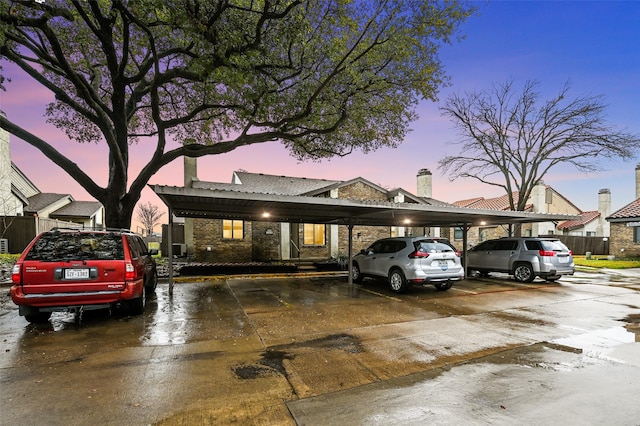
[594, 45]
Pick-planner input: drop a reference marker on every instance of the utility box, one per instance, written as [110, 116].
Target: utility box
[4, 246]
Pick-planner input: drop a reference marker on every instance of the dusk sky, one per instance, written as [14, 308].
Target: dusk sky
[593, 45]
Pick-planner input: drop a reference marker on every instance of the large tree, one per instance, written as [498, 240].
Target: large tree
[201, 77]
[511, 138]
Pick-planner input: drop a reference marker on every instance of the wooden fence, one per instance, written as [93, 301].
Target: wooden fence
[581, 245]
[20, 230]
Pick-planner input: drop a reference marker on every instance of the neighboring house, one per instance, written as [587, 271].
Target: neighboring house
[231, 240]
[89, 214]
[625, 226]
[543, 199]
[21, 198]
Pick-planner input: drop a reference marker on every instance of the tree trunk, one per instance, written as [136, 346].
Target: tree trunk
[118, 213]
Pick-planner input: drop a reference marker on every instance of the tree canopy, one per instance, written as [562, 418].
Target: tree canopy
[203, 77]
[511, 138]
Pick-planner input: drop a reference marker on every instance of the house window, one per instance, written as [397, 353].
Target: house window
[313, 234]
[636, 234]
[457, 233]
[233, 229]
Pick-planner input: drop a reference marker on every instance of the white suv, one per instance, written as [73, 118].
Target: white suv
[405, 261]
[524, 258]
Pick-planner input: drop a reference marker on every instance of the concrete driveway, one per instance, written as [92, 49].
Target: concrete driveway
[313, 350]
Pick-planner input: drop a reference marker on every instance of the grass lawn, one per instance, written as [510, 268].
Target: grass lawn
[601, 261]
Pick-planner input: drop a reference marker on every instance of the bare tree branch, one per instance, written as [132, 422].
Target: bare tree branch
[512, 139]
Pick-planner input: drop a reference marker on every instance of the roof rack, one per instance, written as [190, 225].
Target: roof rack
[94, 228]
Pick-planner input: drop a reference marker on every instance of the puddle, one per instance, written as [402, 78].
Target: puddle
[633, 325]
[272, 361]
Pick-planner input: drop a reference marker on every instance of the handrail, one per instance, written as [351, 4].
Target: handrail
[298, 249]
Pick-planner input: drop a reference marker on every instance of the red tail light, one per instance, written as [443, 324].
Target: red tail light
[129, 272]
[458, 253]
[15, 274]
[547, 253]
[418, 255]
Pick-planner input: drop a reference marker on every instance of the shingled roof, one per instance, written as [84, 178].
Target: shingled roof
[77, 209]
[43, 200]
[629, 212]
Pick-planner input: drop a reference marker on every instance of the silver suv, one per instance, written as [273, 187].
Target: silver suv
[405, 261]
[524, 258]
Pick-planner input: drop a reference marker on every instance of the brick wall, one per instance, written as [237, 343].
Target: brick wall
[477, 234]
[363, 237]
[209, 246]
[360, 191]
[621, 241]
[266, 241]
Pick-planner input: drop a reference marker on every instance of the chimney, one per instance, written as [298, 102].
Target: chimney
[190, 166]
[638, 181]
[604, 202]
[424, 183]
[604, 208]
[190, 170]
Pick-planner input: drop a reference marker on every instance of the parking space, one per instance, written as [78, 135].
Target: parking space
[296, 350]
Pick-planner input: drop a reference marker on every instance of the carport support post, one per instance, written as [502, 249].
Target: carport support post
[465, 228]
[350, 253]
[170, 249]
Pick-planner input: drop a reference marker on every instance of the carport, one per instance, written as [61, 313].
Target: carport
[250, 206]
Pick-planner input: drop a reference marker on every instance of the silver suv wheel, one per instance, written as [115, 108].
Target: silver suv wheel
[523, 273]
[356, 276]
[397, 281]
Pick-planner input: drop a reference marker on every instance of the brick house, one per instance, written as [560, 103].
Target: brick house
[543, 199]
[229, 240]
[625, 226]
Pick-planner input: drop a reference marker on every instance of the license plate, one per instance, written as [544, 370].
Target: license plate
[444, 264]
[76, 274]
[563, 259]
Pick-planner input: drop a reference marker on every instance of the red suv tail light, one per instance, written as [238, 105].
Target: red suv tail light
[15, 274]
[547, 253]
[129, 272]
[418, 255]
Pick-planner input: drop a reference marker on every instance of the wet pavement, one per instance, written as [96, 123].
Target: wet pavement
[314, 350]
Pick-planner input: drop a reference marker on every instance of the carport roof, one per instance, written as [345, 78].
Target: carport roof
[251, 206]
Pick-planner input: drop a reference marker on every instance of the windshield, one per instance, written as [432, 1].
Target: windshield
[85, 246]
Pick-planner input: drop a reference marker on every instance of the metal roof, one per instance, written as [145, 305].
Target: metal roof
[253, 206]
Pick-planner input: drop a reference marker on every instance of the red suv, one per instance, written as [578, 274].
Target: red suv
[78, 269]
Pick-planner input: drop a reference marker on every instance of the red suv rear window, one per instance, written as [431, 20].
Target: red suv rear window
[64, 246]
